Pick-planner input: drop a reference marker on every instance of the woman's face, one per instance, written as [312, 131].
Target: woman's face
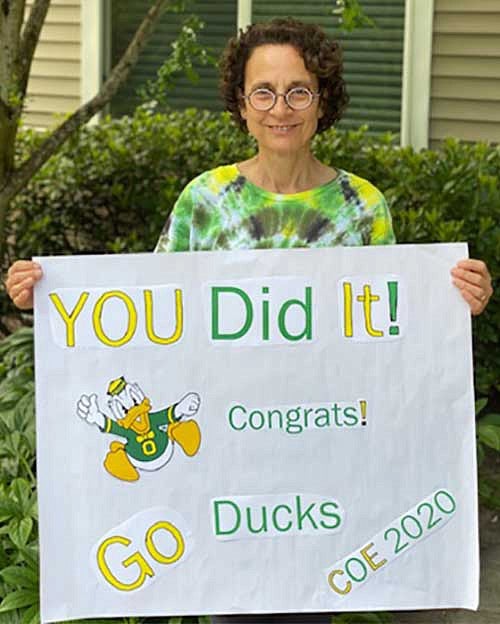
[281, 129]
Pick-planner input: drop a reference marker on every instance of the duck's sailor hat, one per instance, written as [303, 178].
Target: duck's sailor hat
[116, 386]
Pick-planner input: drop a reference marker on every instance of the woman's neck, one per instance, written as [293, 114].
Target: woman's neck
[286, 173]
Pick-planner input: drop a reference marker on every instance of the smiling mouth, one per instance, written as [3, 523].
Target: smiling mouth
[283, 128]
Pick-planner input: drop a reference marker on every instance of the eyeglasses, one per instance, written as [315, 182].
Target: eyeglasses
[297, 98]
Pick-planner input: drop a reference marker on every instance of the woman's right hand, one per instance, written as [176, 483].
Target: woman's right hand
[21, 279]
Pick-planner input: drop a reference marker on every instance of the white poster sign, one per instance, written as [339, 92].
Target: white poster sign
[255, 432]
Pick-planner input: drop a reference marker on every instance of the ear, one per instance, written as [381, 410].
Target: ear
[243, 105]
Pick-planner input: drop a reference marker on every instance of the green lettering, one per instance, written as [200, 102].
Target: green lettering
[263, 526]
[218, 529]
[251, 420]
[351, 574]
[336, 409]
[307, 307]
[332, 514]
[288, 525]
[216, 334]
[301, 515]
[231, 423]
[270, 415]
[265, 316]
[351, 416]
[292, 424]
[322, 418]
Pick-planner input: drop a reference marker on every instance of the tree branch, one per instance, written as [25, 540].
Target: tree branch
[29, 40]
[119, 74]
[5, 109]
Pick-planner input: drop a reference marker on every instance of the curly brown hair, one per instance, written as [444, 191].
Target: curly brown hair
[322, 57]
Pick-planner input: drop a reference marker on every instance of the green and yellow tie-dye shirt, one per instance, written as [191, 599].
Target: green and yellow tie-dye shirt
[221, 209]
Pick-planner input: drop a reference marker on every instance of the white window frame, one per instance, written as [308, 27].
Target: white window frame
[417, 61]
[93, 55]
[244, 18]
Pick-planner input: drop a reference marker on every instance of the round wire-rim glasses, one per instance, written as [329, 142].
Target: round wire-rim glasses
[296, 98]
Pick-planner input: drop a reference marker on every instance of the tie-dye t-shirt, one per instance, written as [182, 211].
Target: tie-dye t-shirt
[221, 209]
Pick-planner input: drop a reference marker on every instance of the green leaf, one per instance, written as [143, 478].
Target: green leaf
[20, 531]
[9, 617]
[20, 577]
[489, 435]
[480, 453]
[8, 508]
[31, 615]
[22, 491]
[30, 557]
[480, 404]
[19, 599]
[490, 419]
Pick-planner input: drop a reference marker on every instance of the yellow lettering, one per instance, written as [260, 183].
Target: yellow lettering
[132, 318]
[69, 319]
[148, 304]
[145, 569]
[149, 447]
[176, 534]
[347, 309]
[336, 589]
[367, 298]
[369, 558]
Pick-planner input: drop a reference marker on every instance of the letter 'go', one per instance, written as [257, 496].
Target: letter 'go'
[70, 318]
[145, 569]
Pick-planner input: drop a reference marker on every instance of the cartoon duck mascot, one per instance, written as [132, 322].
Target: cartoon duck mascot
[149, 436]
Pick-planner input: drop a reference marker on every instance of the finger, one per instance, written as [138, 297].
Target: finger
[24, 300]
[84, 399]
[471, 264]
[81, 408]
[19, 276]
[82, 413]
[93, 401]
[476, 307]
[23, 265]
[471, 276]
[14, 288]
[476, 291]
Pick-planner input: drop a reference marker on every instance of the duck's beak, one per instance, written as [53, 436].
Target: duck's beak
[137, 418]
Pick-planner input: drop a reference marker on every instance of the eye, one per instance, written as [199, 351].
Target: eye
[262, 98]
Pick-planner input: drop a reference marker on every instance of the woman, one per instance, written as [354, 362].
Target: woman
[282, 83]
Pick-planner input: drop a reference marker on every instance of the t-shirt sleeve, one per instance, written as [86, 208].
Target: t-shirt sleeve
[176, 233]
[382, 232]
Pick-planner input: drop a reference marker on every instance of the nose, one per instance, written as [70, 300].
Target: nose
[280, 106]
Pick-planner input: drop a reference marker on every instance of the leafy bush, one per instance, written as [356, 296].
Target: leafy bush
[113, 185]
[18, 511]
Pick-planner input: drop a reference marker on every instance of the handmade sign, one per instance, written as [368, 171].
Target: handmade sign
[255, 432]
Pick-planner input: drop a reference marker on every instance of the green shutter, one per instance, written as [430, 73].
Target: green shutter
[220, 24]
[373, 57]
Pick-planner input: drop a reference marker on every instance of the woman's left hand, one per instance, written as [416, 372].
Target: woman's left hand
[473, 280]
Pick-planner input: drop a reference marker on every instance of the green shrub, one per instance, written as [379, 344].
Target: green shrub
[18, 510]
[112, 186]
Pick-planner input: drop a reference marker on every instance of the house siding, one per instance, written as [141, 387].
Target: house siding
[54, 85]
[465, 83]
